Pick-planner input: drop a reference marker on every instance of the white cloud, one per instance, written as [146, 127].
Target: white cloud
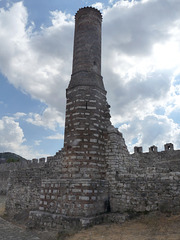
[38, 63]
[141, 55]
[49, 119]
[13, 129]
[19, 115]
[152, 130]
[98, 5]
[37, 142]
[140, 96]
[12, 137]
[57, 136]
[60, 19]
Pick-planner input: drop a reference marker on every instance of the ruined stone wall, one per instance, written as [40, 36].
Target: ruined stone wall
[23, 191]
[24, 186]
[146, 192]
[131, 185]
[153, 184]
[4, 174]
[118, 158]
[141, 182]
[169, 160]
[6, 168]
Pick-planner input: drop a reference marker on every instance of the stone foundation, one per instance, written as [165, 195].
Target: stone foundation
[58, 222]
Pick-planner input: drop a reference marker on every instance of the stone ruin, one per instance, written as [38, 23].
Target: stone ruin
[93, 178]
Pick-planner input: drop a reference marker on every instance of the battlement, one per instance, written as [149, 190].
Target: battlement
[153, 149]
[34, 163]
[167, 160]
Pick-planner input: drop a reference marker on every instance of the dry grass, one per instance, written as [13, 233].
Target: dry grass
[151, 227]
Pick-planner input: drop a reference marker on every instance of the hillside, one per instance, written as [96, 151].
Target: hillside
[10, 157]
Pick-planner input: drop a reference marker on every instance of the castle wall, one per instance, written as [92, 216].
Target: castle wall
[23, 191]
[24, 185]
[132, 184]
[169, 160]
[4, 174]
[118, 158]
[150, 183]
[5, 170]
[146, 192]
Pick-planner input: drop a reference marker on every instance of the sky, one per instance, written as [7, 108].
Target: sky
[140, 69]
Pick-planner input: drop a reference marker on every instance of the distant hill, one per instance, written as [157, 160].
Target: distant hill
[8, 157]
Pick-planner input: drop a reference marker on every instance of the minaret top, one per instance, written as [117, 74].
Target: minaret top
[86, 10]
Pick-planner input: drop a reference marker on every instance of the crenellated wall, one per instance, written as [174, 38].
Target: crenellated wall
[6, 168]
[152, 183]
[140, 182]
[23, 184]
[168, 159]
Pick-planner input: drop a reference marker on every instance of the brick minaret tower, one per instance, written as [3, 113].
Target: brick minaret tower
[84, 177]
[80, 193]
[87, 111]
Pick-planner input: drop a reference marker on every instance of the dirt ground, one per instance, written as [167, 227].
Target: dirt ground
[149, 227]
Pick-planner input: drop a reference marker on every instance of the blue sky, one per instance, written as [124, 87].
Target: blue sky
[140, 67]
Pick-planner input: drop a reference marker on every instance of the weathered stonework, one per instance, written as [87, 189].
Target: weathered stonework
[93, 178]
[23, 184]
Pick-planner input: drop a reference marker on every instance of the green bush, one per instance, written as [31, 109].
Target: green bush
[10, 160]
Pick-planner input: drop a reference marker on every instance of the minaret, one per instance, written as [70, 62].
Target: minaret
[87, 49]
[79, 193]
[87, 111]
